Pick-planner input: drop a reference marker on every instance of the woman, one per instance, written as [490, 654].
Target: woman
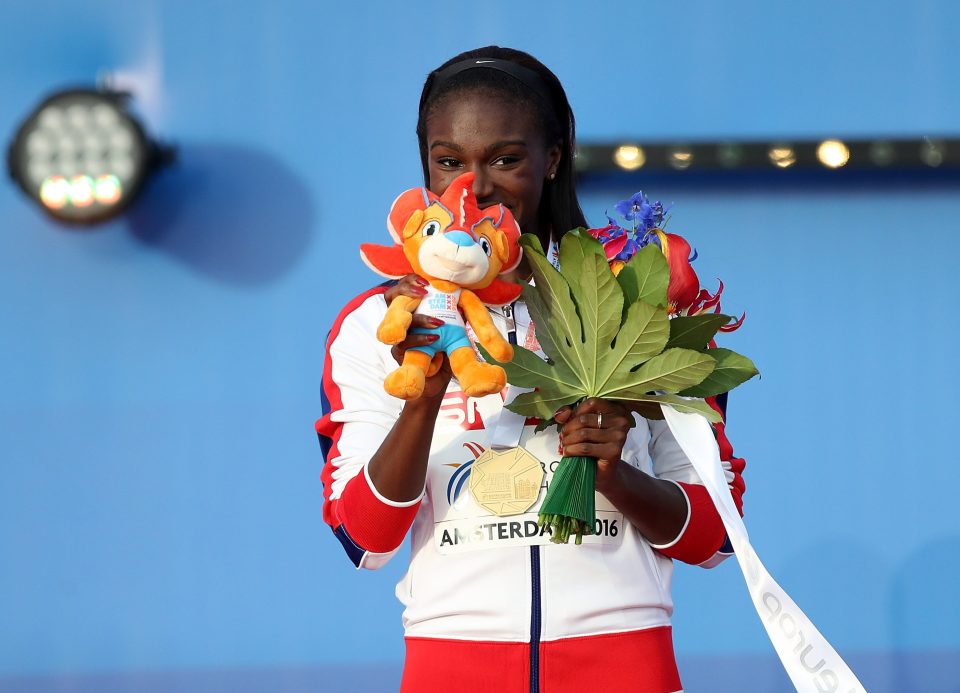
[491, 605]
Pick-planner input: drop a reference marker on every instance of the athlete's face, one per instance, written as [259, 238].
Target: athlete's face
[502, 143]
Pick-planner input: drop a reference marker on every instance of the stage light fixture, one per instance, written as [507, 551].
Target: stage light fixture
[932, 152]
[82, 156]
[782, 155]
[929, 157]
[680, 158]
[629, 157]
[833, 153]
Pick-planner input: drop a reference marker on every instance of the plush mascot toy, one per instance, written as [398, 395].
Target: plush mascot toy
[460, 250]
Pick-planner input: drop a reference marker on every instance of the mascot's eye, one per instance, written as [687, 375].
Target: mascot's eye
[487, 248]
[431, 228]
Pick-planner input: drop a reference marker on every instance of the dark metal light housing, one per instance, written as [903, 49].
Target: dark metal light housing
[922, 156]
[82, 156]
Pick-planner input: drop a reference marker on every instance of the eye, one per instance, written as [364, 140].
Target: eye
[487, 248]
[431, 227]
[448, 162]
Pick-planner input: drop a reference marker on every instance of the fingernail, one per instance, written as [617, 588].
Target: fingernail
[421, 281]
[436, 322]
[419, 292]
[432, 337]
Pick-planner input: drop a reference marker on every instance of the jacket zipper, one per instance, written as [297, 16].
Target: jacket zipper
[535, 619]
[509, 314]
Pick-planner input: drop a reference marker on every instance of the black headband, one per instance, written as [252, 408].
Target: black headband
[525, 76]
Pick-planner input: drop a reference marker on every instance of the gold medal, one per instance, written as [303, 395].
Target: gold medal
[506, 482]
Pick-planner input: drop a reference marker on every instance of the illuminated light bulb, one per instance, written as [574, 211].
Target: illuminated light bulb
[108, 190]
[782, 155]
[81, 191]
[833, 153]
[54, 192]
[681, 159]
[629, 157]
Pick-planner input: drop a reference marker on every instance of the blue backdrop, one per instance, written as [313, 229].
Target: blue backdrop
[160, 519]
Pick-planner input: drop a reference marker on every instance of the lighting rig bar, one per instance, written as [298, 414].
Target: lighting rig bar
[925, 155]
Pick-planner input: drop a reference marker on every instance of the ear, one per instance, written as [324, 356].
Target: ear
[413, 224]
[401, 209]
[511, 235]
[386, 261]
[501, 245]
[554, 154]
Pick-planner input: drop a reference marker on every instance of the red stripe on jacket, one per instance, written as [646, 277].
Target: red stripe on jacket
[705, 534]
[372, 524]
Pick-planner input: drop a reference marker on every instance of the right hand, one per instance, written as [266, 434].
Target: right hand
[440, 373]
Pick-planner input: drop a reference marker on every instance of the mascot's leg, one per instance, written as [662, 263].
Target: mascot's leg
[407, 381]
[435, 364]
[476, 378]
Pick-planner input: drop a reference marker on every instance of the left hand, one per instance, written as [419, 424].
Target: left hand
[596, 428]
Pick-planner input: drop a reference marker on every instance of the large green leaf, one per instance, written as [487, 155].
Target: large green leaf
[695, 406]
[672, 371]
[554, 311]
[732, 369]
[529, 370]
[642, 336]
[597, 296]
[541, 404]
[695, 331]
[645, 277]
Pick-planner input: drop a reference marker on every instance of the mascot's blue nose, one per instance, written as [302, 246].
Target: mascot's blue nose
[461, 238]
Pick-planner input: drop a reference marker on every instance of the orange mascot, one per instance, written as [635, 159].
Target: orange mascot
[461, 251]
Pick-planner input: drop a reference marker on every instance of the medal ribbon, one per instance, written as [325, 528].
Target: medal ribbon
[812, 664]
[505, 426]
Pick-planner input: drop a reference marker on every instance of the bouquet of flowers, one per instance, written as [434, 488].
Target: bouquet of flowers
[624, 318]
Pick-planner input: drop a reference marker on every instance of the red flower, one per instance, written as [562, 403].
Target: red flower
[684, 285]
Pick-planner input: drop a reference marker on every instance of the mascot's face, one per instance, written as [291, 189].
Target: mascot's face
[470, 255]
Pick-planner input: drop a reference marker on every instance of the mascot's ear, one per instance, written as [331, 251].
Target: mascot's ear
[389, 262]
[403, 207]
[511, 234]
[413, 225]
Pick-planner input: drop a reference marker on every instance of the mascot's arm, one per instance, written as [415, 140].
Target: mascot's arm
[393, 329]
[483, 327]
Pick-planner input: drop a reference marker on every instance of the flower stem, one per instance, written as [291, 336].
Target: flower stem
[569, 507]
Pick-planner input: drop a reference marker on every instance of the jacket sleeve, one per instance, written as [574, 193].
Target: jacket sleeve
[357, 416]
[702, 540]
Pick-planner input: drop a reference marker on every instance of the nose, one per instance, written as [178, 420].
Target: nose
[482, 185]
[461, 238]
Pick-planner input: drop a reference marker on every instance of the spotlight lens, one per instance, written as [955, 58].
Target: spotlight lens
[629, 157]
[782, 155]
[81, 191]
[833, 153]
[54, 192]
[680, 158]
[108, 190]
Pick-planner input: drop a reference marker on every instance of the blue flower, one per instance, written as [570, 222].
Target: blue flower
[635, 208]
